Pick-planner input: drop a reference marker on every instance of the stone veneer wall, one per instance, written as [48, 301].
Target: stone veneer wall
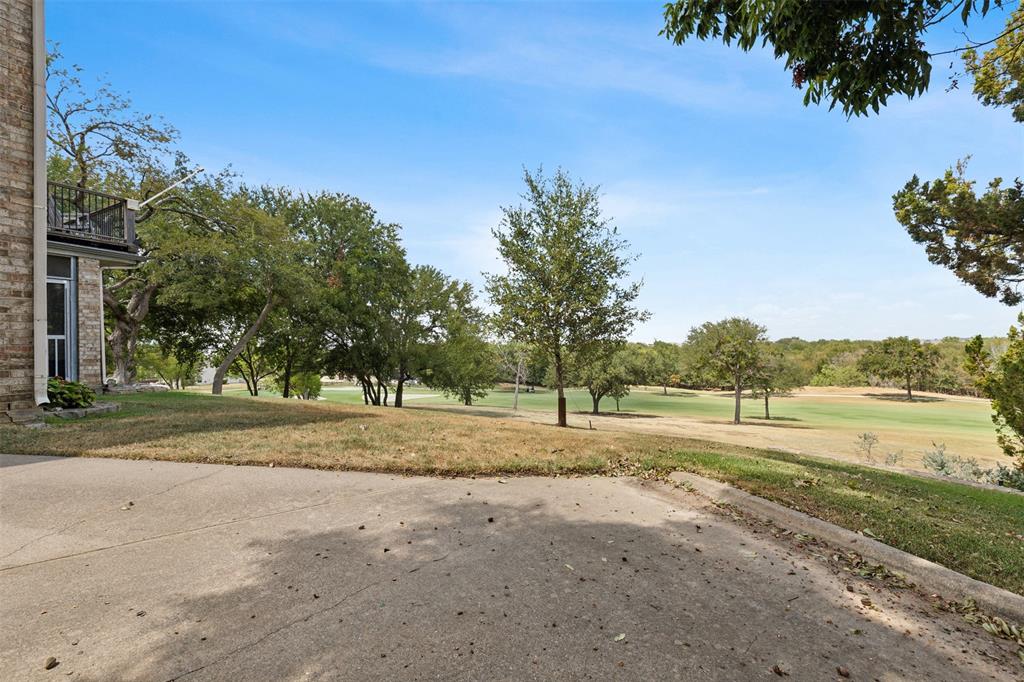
[90, 330]
[16, 356]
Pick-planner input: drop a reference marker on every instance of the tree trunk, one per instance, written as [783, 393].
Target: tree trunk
[371, 391]
[616, 404]
[739, 395]
[597, 402]
[664, 389]
[286, 389]
[515, 396]
[398, 390]
[910, 396]
[125, 334]
[766, 415]
[561, 390]
[248, 386]
[222, 369]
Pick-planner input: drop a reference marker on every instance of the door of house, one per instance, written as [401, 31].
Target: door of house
[60, 318]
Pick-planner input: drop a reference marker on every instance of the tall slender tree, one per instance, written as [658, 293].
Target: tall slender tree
[564, 289]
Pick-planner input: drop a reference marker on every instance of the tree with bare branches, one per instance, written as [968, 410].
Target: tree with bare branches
[97, 139]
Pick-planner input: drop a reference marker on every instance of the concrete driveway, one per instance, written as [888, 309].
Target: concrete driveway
[125, 570]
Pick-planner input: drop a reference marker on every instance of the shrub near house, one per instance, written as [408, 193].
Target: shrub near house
[69, 394]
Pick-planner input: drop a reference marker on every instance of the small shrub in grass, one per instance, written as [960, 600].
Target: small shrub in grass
[1008, 477]
[894, 458]
[69, 394]
[967, 468]
[865, 442]
[951, 465]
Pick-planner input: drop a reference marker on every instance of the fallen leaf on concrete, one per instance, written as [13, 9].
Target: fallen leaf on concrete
[842, 672]
[777, 669]
[621, 636]
[570, 567]
[50, 663]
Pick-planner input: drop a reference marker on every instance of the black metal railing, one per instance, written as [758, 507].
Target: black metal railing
[89, 216]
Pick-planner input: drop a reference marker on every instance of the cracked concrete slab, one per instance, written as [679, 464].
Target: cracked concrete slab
[226, 573]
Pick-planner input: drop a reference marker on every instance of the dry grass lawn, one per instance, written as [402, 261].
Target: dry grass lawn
[194, 428]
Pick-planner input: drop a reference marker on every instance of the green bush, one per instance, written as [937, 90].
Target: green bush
[303, 385]
[839, 375]
[69, 394]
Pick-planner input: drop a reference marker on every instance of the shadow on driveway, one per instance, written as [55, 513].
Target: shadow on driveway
[357, 577]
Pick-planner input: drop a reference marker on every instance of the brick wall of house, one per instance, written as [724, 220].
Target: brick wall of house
[15, 205]
[90, 330]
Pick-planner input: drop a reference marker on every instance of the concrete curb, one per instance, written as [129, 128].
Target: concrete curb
[924, 573]
[79, 412]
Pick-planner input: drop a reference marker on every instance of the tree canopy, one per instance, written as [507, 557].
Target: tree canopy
[729, 351]
[998, 72]
[854, 55]
[979, 238]
[901, 358]
[1001, 379]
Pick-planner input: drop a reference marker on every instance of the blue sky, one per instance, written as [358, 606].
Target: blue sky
[739, 200]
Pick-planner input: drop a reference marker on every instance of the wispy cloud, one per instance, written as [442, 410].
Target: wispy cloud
[496, 44]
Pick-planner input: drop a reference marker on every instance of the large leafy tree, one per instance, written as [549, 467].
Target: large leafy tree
[1001, 379]
[609, 374]
[564, 289]
[855, 55]
[902, 359]
[979, 238]
[728, 352]
[366, 278]
[236, 276]
[462, 363]
[661, 361]
[419, 320]
[777, 375]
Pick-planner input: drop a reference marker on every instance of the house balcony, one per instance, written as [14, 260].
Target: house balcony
[88, 219]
